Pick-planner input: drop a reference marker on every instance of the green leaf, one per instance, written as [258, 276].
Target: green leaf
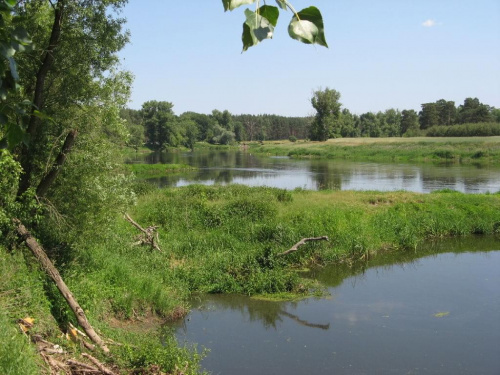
[10, 3]
[21, 47]
[270, 13]
[13, 69]
[255, 29]
[21, 35]
[6, 50]
[308, 27]
[42, 115]
[15, 135]
[233, 4]
[282, 4]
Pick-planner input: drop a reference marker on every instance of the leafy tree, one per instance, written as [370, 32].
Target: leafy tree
[447, 112]
[189, 130]
[409, 121]
[135, 128]
[369, 125]
[305, 26]
[160, 124]
[348, 127]
[429, 115]
[391, 127]
[326, 122]
[473, 111]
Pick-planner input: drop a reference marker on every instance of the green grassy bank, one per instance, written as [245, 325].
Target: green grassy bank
[215, 240]
[156, 170]
[419, 149]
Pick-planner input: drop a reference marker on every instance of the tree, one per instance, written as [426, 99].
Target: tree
[392, 123]
[348, 128]
[326, 122]
[369, 125]
[160, 124]
[447, 112]
[409, 121]
[429, 115]
[473, 111]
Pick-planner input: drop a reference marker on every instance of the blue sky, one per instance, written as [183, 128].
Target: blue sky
[383, 54]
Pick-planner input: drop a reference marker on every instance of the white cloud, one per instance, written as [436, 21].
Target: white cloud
[429, 23]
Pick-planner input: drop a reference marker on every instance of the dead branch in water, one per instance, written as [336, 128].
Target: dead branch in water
[303, 242]
[150, 234]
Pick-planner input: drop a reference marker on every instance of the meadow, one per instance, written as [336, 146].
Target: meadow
[417, 149]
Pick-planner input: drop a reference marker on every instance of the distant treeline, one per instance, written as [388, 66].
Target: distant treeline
[156, 125]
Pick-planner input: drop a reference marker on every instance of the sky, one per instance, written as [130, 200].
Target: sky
[382, 54]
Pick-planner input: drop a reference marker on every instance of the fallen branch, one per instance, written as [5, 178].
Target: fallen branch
[302, 242]
[49, 268]
[150, 235]
[99, 365]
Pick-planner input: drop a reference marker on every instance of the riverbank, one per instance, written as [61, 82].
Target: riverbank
[222, 240]
[418, 149]
[157, 170]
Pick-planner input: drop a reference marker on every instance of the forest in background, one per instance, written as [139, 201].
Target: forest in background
[156, 126]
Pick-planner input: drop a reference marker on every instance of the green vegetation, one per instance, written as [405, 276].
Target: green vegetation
[155, 170]
[483, 129]
[456, 150]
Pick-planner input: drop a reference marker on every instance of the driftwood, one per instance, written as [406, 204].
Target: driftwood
[99, 365]
[149, 236]
[302, 242]
[49, 268]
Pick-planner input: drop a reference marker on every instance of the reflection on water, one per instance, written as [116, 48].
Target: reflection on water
[225, 167]
[430, 312]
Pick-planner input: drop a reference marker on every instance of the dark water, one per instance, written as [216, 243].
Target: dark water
[437, 312]
[226, 167]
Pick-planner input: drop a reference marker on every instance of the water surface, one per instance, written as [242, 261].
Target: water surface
[436, 312]
[226, 167]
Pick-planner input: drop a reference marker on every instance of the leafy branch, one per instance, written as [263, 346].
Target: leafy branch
[305, 26]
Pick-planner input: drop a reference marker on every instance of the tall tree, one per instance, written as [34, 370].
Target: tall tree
[429, 115]
[447, 112]
[160, 124]
[473, 111]
[326, 122]
[409, 121]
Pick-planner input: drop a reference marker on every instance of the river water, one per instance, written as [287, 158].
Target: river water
[226, 167]
[436, 311]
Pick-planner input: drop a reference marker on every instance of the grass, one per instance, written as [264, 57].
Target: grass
[218, 239]
[156, 170]
[418, 149]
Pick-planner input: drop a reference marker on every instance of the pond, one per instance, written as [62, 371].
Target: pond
[226, 167]
[435, 311]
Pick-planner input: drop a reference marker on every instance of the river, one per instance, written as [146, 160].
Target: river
[435, 311]
[226, 167]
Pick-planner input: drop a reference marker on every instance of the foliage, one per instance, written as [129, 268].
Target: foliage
[305, 26]
[13, 39]
[327, 106]
[485, 129]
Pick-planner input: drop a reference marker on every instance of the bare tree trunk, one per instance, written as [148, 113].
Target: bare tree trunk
[49, 268]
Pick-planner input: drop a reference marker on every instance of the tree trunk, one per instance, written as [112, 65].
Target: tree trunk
[49, 268]
[49, 178]
[38, 97]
